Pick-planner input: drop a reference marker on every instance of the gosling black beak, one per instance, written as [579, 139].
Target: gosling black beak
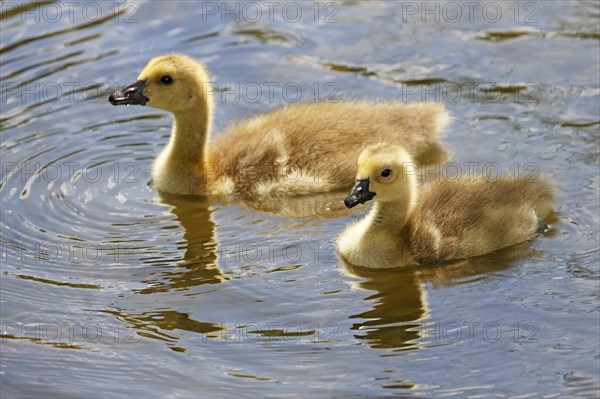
[359, 194]
[132, 94]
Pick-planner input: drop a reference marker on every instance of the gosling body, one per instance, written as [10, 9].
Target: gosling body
[445, 220]
[296, 150]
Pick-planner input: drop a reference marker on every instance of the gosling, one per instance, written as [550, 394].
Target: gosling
[446, 220]
[297, 150]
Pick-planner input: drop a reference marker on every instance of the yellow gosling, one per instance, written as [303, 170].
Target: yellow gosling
[445, 220]
[296, 150]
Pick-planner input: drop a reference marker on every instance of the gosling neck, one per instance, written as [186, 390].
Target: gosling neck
[390, 215]
[393, 215]
[190, 135]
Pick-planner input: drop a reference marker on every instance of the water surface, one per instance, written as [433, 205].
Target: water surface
[110, 290]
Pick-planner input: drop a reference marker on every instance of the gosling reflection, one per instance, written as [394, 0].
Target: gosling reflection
[399, 317]
[199, 264]
[399, 304]
[154, 324]
[200, 261]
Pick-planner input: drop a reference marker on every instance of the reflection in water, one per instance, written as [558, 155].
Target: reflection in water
[399, 302]
[399, 314]
[153, 324]
[199, 264]
[197, 267]
[475, 269]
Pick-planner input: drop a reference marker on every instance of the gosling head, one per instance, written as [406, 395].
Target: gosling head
[386, 172]
[173, 82]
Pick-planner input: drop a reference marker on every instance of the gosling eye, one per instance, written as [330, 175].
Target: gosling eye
[166, 79]
[386, 173]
